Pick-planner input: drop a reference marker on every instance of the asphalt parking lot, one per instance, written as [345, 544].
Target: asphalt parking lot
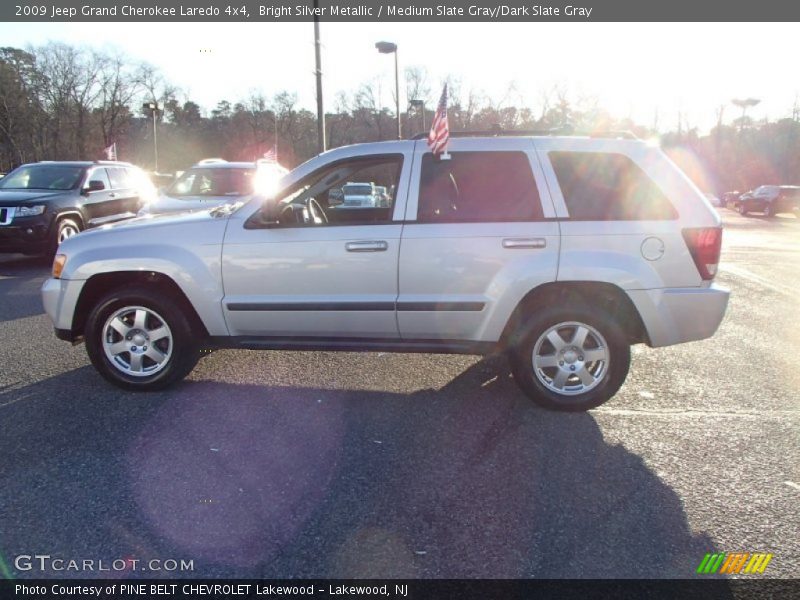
[278, 464]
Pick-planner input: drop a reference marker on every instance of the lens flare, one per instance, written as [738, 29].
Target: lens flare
[267, 178]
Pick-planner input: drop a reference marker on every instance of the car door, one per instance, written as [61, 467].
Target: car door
[97, 204]
[480, 233]
[125, 200]
[315, 280]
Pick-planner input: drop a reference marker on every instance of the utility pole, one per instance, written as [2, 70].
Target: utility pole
[321, 142]
[391, 48]
[153, 108]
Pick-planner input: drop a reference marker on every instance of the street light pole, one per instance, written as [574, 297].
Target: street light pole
[321, 142]
[153, 108]
[397, 92]
[391, 48]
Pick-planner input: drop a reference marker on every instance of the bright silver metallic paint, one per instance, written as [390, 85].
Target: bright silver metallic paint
[422, 262]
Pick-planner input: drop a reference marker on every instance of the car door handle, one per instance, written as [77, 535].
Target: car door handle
[366, 246]
[516, 243]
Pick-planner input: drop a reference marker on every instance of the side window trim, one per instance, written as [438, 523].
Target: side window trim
[549, 210]
[553, 187]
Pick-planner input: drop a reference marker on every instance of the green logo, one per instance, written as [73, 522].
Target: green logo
[734, 562]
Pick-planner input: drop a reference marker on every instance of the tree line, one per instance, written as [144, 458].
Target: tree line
[64, 102]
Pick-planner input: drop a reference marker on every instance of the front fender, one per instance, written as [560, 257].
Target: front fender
[196, 272]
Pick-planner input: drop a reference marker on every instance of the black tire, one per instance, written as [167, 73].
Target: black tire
[610, 375]
[742, 209]
[65, 228]
[769, 210]
[182, 346]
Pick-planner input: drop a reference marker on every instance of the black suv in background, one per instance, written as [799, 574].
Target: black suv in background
[770, 200]
[42, 204]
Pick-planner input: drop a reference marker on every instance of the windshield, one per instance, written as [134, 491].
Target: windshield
[213, 182]
[357, 190]
[42, 177]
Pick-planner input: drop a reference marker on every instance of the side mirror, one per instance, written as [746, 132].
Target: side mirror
[95, 186]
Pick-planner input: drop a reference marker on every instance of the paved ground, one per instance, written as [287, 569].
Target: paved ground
[376, 465]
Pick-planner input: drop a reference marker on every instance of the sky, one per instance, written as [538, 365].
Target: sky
[634, 70]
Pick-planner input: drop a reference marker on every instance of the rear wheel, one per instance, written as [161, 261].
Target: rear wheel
[571, 359]
[138, 340]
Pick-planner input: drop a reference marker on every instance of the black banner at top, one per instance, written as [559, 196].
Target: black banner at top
[580, 11]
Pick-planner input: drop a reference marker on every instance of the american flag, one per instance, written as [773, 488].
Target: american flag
[111, 152]
[440, 130]
[271, 155]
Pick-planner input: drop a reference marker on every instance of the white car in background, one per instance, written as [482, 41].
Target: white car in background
[359, 195]
[215, 182]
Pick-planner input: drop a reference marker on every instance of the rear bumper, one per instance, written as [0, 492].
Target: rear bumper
[677, 315]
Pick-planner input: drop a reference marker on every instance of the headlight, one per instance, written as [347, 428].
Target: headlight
[58, 265]
[30, 211]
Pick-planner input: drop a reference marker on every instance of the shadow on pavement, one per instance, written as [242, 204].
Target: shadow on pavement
[21, 278]
[758, 221]
[247, 481]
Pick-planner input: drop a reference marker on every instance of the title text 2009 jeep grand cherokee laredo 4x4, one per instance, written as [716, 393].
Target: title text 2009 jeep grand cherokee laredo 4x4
[562, 250]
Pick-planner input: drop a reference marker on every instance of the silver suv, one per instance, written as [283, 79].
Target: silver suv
[562, 251]
[213, 182]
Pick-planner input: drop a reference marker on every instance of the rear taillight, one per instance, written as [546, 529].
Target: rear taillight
[704, 244]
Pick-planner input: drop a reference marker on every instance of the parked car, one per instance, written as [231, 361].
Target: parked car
[42, 204]
[770, 200]
[215, 182]
[729, 199]
[561, 251]
[716, 202]
[359, 195]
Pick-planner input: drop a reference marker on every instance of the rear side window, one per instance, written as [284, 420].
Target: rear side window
[478, 187]
[599, 186]
[118, 177]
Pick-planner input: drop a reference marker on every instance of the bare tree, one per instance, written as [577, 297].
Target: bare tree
[120, 85]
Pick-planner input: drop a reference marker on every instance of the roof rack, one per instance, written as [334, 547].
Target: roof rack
[565, 130]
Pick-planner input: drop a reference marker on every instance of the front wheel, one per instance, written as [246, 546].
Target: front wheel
[138, 341]
[571, 359]
[64, 229]
[769, 210]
